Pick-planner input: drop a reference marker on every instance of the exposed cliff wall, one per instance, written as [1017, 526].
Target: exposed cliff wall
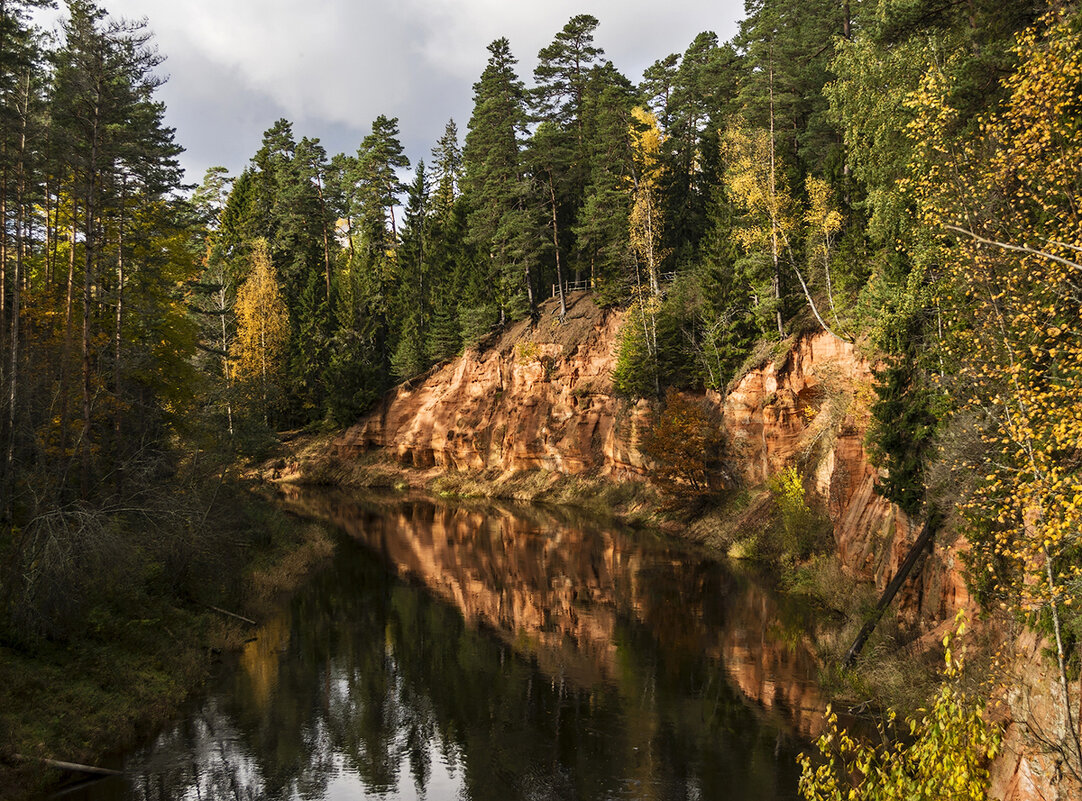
[535, 397]
[541, 396]
[809, 408]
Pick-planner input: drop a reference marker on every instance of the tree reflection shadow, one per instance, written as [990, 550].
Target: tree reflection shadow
[505, 655]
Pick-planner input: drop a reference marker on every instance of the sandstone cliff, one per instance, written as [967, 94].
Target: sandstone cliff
[534, 397]
[541, 396]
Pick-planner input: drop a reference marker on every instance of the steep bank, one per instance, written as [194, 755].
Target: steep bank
[533, 397]
[536, 403]
[541, 397]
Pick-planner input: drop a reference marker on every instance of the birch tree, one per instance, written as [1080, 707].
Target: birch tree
[262, 323]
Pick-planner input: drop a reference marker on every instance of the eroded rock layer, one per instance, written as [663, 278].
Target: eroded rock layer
[535, 397]
[541, 396]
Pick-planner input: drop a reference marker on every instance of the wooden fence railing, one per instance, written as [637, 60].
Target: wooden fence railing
[587, 284]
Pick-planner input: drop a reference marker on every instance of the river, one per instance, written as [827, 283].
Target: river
[484, 651]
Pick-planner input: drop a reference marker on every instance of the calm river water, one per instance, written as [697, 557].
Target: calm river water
[486, 652]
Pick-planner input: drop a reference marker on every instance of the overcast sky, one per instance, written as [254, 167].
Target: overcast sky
[332, 66]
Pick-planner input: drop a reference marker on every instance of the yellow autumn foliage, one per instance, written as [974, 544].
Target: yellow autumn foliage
[1009, 202]
[262, 319]
[942, 755]
[645, 221]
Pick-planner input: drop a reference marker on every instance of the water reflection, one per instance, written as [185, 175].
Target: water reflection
[507, 653]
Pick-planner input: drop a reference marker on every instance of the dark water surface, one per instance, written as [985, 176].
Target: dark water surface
[458, 652]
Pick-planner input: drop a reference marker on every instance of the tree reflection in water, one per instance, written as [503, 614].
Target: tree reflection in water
[498, 653]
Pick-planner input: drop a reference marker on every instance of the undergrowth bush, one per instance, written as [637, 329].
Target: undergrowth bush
[685, 444]
[943, 754]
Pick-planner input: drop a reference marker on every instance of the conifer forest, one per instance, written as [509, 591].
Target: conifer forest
[904, 175]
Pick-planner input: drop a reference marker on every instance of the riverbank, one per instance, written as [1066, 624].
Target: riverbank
[136, 658]
[793, 543]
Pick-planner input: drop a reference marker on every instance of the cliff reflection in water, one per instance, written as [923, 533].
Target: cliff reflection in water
[557, 660]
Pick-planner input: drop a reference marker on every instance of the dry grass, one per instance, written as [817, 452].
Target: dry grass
[765, 351]
[735, 522]
[629, 501]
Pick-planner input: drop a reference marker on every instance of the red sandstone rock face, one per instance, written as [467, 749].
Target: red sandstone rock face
[542, 398]
[539, 398]
[810, 409]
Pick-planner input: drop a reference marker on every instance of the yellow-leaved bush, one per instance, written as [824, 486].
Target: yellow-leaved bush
[940, 756]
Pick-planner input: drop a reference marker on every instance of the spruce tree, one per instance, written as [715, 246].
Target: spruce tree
[601, 231]
[447, 252]
[411, 307]
[496, 194]
[376, 237]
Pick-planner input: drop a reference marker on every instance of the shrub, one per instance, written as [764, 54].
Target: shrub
[943, 755]
[685, 445]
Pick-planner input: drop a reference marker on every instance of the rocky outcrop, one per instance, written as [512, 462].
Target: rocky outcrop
[808, 407]
[537, 396]
[540, 396]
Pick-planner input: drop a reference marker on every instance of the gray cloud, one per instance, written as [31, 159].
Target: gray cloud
[331, 66]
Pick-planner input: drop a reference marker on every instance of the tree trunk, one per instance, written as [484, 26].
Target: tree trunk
[263, 359]
[651, 255]
[924, 539]
[326, 239]
[88, 283]
[1065, 686]
[117, 340]
[50, 251]
[3, 243]
[16, 296]
[225, 350]
[776, 282]
[65, 353]
[814, 309]
[556, 248]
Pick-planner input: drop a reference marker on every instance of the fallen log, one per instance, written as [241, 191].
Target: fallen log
[220, 611]
[927, 533]
[78, 786]
[74, 767]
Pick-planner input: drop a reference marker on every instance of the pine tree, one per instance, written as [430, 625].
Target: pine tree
[20, 94]
[561, 153]
[602, 234]
[786, 51]
[656, 88]
[121, 155]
